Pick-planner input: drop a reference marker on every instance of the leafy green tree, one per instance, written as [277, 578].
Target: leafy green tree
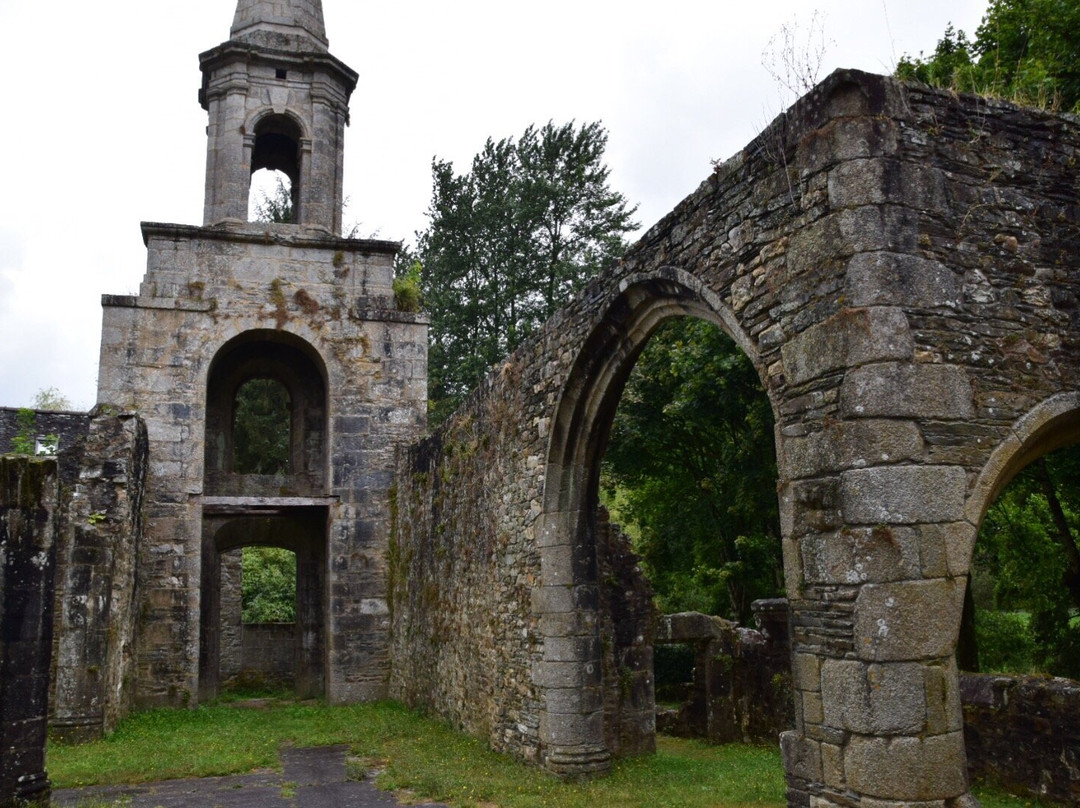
[261, 428]
[691, 467]
[509, 242]
[1025, 50]
[276, 207]
[50, 398]
[1027, 563]
[268, 585]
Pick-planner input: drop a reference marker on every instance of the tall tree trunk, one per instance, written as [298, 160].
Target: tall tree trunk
[1061, 528]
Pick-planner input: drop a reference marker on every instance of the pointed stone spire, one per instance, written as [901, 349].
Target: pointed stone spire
[281, 24]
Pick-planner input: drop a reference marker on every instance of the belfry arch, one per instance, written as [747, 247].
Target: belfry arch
[574, 716]
[278, 143]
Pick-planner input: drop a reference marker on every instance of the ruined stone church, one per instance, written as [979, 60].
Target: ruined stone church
[901, 266]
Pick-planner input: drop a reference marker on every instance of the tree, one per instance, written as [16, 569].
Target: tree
[1024, 50]
[691, 467]
[268, 585]
[261, 428]
[276, 207]
[50, 398]
[509, 242]
[1027, 566]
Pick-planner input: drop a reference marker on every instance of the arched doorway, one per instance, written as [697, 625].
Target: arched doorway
[265, 486]
[574, 726]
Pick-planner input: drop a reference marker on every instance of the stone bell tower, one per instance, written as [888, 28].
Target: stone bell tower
[309, 315]
[276, 99]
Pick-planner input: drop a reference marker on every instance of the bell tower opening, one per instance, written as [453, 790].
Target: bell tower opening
[274, 191]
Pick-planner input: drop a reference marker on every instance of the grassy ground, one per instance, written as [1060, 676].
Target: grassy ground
[421, 756]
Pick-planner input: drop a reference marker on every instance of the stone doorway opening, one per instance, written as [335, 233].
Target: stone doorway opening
[287, 654]
[596, 601]
[265, 486]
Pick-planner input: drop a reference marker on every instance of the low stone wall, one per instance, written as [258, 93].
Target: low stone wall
[742, 678]
[1024, 732]
[269, 651]
[69, 427]
[28, 518]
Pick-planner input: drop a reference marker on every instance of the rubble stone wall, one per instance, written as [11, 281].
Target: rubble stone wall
[902, 266]
[1024, 732]
[29, 501]
[741, 690]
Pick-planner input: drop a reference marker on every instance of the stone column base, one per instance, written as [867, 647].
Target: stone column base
[572, 762]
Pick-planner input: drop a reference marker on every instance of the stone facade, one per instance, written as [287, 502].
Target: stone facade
[29, 490]
[233, 301]
[901, 266]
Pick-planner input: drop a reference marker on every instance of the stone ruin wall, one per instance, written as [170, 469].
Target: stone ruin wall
[29, 504]
[901, 265]
[741, 688]
[1024, 732]
[101, 468]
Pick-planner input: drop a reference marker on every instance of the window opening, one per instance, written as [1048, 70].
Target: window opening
[270, 199]
[268, 585]
[262, 428]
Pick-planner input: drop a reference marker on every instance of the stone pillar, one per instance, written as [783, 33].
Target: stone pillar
[874, 628]
[28, 501]
[570, 673]
[95, 615]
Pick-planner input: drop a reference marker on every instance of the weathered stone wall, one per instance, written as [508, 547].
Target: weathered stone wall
[901, 265]
[331, 298]
[1024, 732]
[69, 427]
[28, 518]
[741, 691]
[269, 651]
[103, 478]
[232, 617]
[627, 623]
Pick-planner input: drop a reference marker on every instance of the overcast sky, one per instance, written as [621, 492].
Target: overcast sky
[103, 128]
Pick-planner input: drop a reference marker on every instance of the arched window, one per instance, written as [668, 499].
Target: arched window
[277, 150]
[261, 428]
[270, 199]
[266, 429]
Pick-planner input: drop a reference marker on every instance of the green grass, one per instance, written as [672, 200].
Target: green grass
[424, 757]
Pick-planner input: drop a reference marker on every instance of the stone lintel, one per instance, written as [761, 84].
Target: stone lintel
[261, 506]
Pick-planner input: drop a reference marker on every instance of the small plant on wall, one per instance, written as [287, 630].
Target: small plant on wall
[24, 440]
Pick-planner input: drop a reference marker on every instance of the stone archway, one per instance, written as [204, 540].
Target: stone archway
[287, 508]
[300, 530]
[569, 675]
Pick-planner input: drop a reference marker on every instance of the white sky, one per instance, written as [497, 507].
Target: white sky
[103, 129]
